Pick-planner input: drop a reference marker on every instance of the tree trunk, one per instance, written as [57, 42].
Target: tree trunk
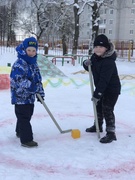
[76, 34]
[64, 45]
[95, 25]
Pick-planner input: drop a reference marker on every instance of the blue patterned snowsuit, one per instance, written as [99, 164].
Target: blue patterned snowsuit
[25, 82]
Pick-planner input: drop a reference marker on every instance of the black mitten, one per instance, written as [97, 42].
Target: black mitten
[39, 99]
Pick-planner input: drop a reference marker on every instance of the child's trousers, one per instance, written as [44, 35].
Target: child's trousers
[24, 113]
[105, 108]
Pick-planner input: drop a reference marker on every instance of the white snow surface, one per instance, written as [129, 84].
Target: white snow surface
[59, 156]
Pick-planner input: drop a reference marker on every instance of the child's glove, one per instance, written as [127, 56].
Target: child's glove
[39, 99]
[87, 62]
[95, 100]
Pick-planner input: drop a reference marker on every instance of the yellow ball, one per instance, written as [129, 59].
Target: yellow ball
[75, 133]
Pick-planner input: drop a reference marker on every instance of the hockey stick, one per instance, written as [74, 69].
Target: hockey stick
[94, 106]
[52, 117]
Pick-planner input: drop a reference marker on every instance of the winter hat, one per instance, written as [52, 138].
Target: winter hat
[102, 40]
[30, 42]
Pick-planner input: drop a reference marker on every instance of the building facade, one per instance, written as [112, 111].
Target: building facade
[116, 21]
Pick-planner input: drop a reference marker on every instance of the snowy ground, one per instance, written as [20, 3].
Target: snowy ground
[59, 156]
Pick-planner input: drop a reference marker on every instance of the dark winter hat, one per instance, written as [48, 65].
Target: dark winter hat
[30, 42]
[102, 40]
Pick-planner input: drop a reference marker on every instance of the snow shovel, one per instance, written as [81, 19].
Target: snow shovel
[94, 106]
[52, 117]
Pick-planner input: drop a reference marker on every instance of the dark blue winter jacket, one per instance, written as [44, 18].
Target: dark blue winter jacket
[25, 79]
[105, 73]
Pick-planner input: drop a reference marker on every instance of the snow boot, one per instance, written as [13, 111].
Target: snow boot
[93, 129]
[110, 136]
[30, 144]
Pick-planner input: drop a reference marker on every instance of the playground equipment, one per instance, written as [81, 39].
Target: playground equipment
[64, 57]
[4, 81]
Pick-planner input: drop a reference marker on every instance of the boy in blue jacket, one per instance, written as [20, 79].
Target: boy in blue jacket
[25, 82]
[107, 85]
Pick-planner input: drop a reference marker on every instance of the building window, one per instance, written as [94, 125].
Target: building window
[88, 24]
[101, 31]
[110, 21]
[102, 21]
[131, 32]
[111, 2]
[110, 31]
[105, 11]
[132, 11]
[111, 11]
[101, 11]
[132, 22]
[82, 25]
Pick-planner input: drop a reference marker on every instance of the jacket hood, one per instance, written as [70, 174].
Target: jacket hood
[110, 52]
[23, 55]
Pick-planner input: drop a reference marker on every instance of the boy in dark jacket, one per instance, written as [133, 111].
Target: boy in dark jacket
[107, 85]
[25, 82]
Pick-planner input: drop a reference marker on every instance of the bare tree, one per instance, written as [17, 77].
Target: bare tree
[76, 27]
[65, 26]
[7, 21]
[50, 18]
[3, 21]
[34, 20]
[11, 16]
[95, 6]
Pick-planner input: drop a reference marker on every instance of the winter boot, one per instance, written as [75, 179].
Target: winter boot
[93, 129]
[30, 144]
[110, 136]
